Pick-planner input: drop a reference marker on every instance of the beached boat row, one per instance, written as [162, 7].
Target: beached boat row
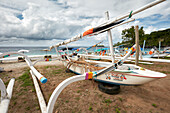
[107, 74]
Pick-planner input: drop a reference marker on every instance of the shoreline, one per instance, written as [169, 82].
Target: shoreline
[13, 65]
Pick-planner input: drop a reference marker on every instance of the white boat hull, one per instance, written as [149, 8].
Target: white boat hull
[159, 55]
[120, 77]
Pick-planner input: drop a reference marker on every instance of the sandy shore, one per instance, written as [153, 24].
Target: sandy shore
[84, 96]
[12, 65]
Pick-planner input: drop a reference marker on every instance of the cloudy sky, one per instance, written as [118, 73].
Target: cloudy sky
[47, 22]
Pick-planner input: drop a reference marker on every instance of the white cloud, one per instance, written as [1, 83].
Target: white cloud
[149, 29]
[47, 22]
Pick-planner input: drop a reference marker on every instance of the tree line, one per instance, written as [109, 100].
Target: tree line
[152, 39]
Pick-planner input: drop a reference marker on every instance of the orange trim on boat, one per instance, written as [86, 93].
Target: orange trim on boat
[90, 31]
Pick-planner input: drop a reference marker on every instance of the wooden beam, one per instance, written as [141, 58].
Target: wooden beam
[137, 44]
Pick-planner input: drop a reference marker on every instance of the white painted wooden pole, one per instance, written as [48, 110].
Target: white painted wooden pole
[59, 88]
[144, 46]
[2, 89]
[5, 100]
[67, 50]
[39, 94]
[110, 39]
[28, 61]
[140, 52]
[159, 48]
[147, 6]
[137, 44]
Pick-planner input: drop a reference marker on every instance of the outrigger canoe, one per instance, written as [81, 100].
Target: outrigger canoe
[126, 74]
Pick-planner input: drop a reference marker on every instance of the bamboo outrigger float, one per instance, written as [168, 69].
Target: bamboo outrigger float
[85, 76]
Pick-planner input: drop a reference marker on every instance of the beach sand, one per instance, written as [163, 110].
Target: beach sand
[84, 96]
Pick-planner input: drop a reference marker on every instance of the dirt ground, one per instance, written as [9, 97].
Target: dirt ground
[84, 96]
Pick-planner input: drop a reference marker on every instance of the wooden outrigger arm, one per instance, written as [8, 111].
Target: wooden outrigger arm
[6, 95]
[28, 61]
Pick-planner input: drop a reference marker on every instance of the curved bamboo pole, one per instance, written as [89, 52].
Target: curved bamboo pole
[28, 61]
[6, 95]
[59, 88]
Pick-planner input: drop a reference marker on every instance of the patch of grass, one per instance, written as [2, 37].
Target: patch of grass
[150, 111]
[49, 95]
[120, 99]
[46, 67]
[37, 107]
[166, 72]
[25, 89]
[77, 98]
[14, 98]
[90, 108]
[6, 83]
[56, 72]
[20, 93]
[14, 103]
[78, 91]
[154, 105]
[33, 90]
[100, 95]
[59, 70]
[160, 66]
[107, 101]
[117, 110]
[25, 78]
[67, 101]
[27, 108]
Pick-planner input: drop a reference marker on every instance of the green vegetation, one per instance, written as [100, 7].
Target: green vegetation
[120, 99]
[90, 108]
[107, 101]
[14, 103]
[27, 108]
[154, 105]
[25, 78]
[6, 83]
[46, 67]
[37, 107]
[117, 110]
[152, 39]
[166, 72]
[77, 98]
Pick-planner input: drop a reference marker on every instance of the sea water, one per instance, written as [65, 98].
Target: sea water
[39, 50]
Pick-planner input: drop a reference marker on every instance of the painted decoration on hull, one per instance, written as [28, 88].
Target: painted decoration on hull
[115, 76]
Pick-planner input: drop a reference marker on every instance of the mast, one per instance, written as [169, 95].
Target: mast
[144, 46]
[110, 39]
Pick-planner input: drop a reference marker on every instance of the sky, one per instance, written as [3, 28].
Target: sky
[47, 22]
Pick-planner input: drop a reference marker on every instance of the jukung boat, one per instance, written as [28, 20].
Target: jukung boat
[122, 74]
[126, 74]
